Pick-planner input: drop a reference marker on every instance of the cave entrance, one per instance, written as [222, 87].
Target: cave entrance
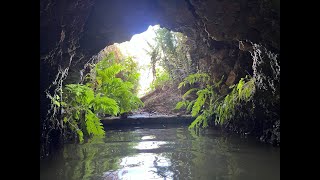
[162, 60]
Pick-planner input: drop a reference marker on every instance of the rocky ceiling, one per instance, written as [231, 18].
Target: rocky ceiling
[78, 29]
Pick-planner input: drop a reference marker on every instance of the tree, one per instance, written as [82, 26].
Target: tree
[171, 52]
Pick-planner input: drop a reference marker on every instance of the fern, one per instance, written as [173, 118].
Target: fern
[202, 106]
[181, 104]
[197, 121]
[93, 124]
[242, 91]
[209, 103]
[194, 78]
[202, 96]
[190, 105]
[247, 90]
[80, 135]
[240, 85]
[189, 92]
[105, 105]
[162, 78]
[103, 92]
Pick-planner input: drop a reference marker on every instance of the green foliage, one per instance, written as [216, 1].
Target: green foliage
[186, 94]
[170, 52]
[241, 92]
[209, 103]
[201, 118]
[181, 104]
[195, 78]
[162, 78]
[79, 104]
[202, 106]
[93, 124]
[105, 105]
[108, 89]
[130, 73]
[55, 99]
[109, 83]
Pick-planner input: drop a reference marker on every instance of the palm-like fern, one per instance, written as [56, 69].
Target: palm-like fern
[242, 91]
[103, 92]
[209, 103]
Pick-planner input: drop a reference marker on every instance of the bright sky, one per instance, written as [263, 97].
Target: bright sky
[135, 47]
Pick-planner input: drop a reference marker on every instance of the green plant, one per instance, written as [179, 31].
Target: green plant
[241, 92]
[171, 52]
[78, 110]
[103, 92]
[108, 80]
[130, 72]
[162, 78]
[203, 106]
[209, 103]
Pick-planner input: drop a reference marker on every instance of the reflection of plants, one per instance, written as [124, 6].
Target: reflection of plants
[223, 148]
[203, 153]
[92, 159]
[87, 160]
[233, 169]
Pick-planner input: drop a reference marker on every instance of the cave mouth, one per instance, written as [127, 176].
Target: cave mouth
[139, 48]
[223, 36]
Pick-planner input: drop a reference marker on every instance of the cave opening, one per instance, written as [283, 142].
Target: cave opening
[204, 66]
[160, 60]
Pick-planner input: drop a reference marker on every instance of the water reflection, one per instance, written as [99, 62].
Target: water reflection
[150, 145]
[148, 137]
[142, 166]
[173, 153]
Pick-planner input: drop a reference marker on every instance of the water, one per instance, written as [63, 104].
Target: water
[165, 153]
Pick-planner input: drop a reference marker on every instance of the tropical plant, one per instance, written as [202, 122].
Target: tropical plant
[162, 79]
[210, 104]
[103, 92]
[170, 51]
[105, 79]
[241, 92]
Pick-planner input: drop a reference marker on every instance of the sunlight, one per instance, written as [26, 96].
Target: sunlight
[137, 47]
[142, 166]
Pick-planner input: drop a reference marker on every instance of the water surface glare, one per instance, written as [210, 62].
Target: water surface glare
[165, 153]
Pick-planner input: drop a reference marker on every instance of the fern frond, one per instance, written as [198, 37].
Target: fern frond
[199, 102]
[197, 121]
[190, 105]
[93, 124]
[217, 84]
[189, 92]
[180, 104]
[193, 78]
[240, 85]
[80, 135]
[106, 105]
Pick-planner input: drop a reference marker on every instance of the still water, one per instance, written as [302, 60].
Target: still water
[165, 153]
